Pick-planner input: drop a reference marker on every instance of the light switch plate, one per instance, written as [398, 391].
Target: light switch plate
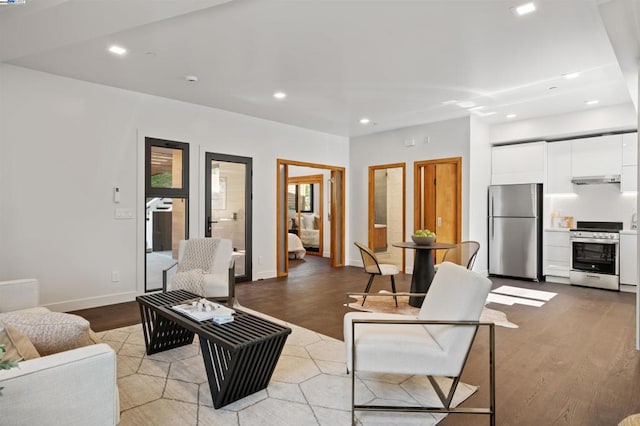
[123, 213]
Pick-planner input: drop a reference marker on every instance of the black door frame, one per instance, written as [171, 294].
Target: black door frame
[165, 192]
[248, 194]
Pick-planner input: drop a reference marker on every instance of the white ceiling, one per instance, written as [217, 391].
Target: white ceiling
[395, 62]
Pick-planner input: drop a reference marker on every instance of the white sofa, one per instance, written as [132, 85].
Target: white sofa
[74, 387]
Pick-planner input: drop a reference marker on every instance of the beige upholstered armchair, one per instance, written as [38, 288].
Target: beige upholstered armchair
[436, 343]
[205, 267]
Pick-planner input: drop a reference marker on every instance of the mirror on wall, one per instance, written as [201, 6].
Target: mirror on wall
[305, 211]
[387, 212]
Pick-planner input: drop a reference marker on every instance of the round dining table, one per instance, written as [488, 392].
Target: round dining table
[423, 270]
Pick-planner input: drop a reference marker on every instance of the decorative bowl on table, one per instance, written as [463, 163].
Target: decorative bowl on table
[423, 241]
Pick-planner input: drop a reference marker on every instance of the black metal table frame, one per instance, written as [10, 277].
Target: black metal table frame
[239, 356]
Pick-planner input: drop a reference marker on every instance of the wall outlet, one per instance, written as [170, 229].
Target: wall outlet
[115, 276]
[259, 260]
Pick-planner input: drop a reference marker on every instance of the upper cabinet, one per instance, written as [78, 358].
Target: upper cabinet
[597, 156]
[629, 181]
[630, 149]
[559, 168]
[522, 163]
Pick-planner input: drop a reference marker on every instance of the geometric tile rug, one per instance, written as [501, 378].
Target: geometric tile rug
[310, 386]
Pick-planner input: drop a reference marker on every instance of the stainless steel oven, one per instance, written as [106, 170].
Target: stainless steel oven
[595, 255]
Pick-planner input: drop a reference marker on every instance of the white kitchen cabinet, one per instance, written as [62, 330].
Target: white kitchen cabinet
[596, 156]
[521, 163]
[629, 179]
[559, 168]
[630, 149]
[556, 255]
[628, 258]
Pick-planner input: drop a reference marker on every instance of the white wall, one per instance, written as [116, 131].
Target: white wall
[479, 181]
[66, 143]
[590, 121]
[601, 203]
[446, 139]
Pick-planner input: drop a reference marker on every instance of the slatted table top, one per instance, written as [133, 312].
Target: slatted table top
[245, 329]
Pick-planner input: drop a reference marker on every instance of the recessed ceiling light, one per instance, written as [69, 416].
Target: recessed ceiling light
[484, 114]
[524, 9]
[279, 95]
[466, 104]
[476, 108]
[117, 50]
[511, 115]
[592, 102]
[365, 120]
[451, 102]
[571, 75]
[192, 78]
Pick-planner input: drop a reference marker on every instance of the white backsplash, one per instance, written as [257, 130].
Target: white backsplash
[602, 203]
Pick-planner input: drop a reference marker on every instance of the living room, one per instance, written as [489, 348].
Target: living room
[66, 141]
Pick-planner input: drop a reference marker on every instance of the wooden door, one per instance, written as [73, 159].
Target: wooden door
[437, 191]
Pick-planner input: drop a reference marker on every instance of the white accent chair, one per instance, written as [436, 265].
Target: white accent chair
[218, 273]
[373, 268]
[19, 294]
[74, 387]
[436, 343]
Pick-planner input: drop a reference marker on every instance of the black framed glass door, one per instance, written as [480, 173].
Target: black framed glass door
[166, 206]
[228, 206]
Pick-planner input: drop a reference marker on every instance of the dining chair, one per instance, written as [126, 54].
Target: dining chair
[464, 254]
[373, 268]
[435, 343]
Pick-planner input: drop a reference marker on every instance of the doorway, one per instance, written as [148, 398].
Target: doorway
[166, 206]
[438, 199]
[305, 211]
[335, 218]
[387, 201]
[228, 207]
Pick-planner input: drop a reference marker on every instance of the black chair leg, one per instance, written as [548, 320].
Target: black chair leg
[393, 289]
[366, 290]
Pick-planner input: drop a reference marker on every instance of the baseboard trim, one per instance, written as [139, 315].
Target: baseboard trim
[264, 275]
[91, 302]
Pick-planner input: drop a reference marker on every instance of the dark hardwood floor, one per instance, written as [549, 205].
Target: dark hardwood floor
[570, 362]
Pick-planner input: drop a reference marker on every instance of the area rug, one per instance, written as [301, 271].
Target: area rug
[309, 387]
[377, 302]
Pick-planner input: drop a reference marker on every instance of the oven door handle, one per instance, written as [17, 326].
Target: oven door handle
[594, 241]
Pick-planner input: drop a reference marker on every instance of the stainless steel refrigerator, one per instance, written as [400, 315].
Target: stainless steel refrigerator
[515, 231]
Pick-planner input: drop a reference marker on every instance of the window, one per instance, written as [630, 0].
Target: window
[303, 193]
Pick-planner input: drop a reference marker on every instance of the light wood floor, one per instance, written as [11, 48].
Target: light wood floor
[570, 362]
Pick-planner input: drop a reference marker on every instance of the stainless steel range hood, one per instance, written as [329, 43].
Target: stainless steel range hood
[591, 180]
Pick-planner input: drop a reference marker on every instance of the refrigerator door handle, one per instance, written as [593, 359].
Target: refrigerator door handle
[491, 226]
[491, 206]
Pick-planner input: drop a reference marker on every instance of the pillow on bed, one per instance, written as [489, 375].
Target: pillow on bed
[307, 222]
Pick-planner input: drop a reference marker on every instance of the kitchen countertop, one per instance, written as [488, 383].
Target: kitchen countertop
[557, 229]
[629, 231]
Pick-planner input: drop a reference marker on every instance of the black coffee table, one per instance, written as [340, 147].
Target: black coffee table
[239, 356]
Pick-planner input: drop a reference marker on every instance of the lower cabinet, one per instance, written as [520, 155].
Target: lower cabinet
[628, 259]
[556, 255]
